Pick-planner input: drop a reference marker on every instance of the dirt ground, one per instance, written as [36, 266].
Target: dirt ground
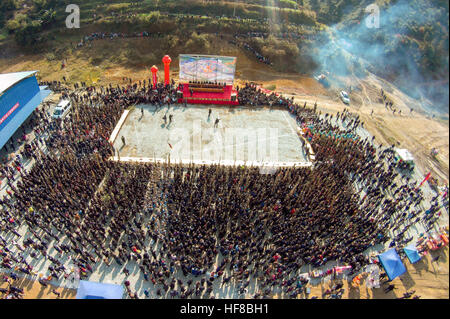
[416, 131]
[34, 290]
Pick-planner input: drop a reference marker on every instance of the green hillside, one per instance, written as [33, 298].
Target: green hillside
[306, 36]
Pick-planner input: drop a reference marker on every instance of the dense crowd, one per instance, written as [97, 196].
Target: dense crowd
[23, 148]
[176, 221]
[265, 35]
[87, 39]
[251, 95]
[247, 47]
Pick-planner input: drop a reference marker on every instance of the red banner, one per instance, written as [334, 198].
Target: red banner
[426, 178]
[9, 113]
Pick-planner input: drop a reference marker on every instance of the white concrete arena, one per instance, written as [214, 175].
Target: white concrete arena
[241, 136]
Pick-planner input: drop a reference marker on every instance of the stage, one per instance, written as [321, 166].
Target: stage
[219, 98]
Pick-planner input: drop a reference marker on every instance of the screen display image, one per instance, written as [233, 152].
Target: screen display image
[207, 68]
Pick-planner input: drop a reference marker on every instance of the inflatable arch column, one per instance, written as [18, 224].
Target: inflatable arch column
[166, 60]
[154, 70]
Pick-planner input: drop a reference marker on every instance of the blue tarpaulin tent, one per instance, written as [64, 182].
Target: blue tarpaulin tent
[412, 253]
[392, 263]
[97, 290]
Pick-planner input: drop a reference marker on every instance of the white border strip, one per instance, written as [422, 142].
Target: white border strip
[311, 154]
[209, 162]
[119, 126]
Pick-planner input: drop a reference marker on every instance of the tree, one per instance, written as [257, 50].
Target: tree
[48, 17]
[14, 24]
[29, 34]
[198, 43]
[40, 5]
[7, 5]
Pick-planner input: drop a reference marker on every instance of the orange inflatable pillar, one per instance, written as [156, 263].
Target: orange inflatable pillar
[154, 70]
[166, 60]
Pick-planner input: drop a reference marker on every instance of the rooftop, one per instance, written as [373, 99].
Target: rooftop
[7, 80]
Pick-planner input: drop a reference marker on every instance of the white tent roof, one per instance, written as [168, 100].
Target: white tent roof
[405, 154]
[9, 79]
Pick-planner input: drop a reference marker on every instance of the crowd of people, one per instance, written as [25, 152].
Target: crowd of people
[192, 230]
[87, 39]
[247, 47]
[251, 95]
[21, 150]
[281, 35]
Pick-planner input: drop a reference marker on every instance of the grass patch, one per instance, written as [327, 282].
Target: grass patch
[50, 56]
[89, 75]
[117, 7]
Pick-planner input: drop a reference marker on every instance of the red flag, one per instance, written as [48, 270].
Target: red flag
[425, 179]
[170, 145]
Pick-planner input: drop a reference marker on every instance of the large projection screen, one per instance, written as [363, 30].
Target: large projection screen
[210, 68]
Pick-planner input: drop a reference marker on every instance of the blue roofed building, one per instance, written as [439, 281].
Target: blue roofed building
[20, 95]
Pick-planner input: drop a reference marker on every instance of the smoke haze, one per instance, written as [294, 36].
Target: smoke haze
[410, 48]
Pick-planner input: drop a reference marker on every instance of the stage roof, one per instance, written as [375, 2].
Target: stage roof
[98, 290]
[9, 79]
[392, 263]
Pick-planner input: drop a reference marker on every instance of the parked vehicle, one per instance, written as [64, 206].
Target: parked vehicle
[404, 159]
[344, 97]
[322, 78]
[62, 109]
